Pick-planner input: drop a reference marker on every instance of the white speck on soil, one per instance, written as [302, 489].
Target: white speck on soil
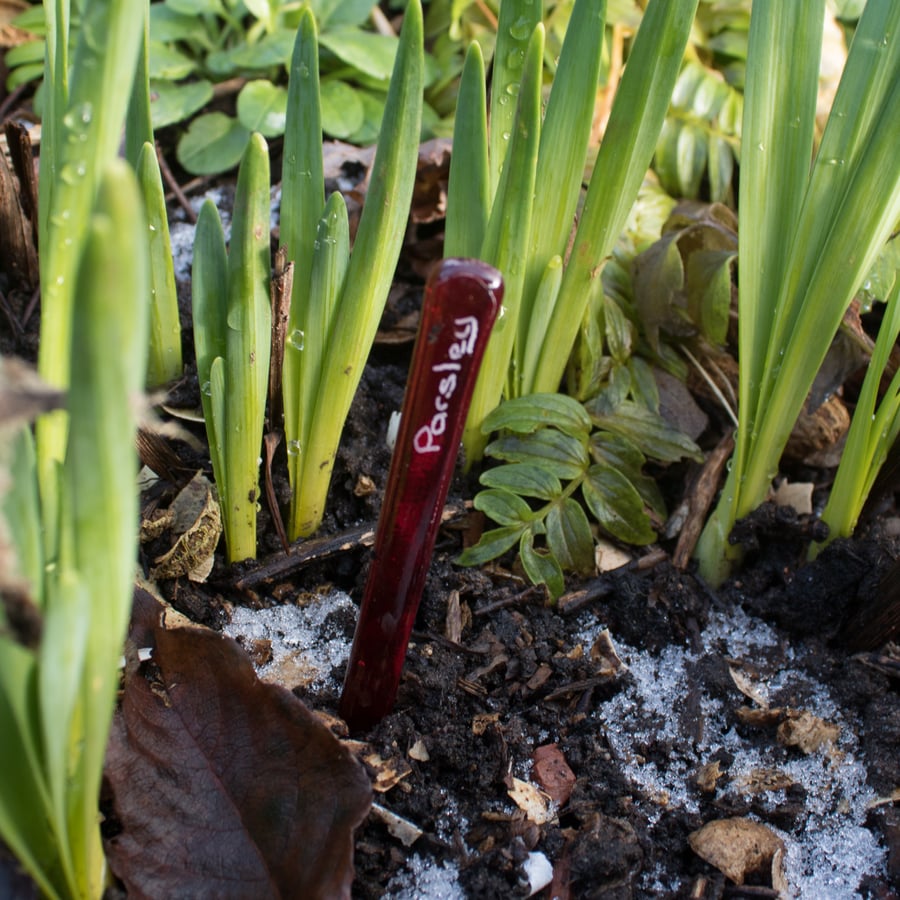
[300, 636]
[829, 850]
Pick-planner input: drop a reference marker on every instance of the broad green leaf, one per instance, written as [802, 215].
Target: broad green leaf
[171, 103]
[617, 452]
[708, 284]
[504, 507]
[616, 505]
[619, 331]
[370, 53]
[540, 566]
[491, 544]
[569, 536]
[524, 480]
[169, 63]
[167, 25]
[262, 107]
[213, 143]
[268, 52]
[658, 275]
[525, 415]
[649, 431]
[559, 454]
[342, 109]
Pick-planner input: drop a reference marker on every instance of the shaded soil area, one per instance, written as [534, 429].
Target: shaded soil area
[494, 673]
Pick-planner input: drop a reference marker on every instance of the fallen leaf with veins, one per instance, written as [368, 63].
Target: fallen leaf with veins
[220, 786]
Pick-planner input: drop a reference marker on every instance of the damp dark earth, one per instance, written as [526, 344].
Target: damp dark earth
[644, 736]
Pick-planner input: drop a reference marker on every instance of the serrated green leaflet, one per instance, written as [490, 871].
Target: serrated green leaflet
[569, 536]
[523, 479]
[560, 454]
[540, 566]
[616, 504]
[492, 544]
[504, 507]
[527, 414]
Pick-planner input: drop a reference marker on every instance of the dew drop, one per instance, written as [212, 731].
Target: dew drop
[293, 448]
[515, 59]
[520, 29]
[206, 389]
[833, 161]
[296, 339]
[513, 89]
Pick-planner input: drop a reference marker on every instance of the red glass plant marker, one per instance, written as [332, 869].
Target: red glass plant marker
[462, 300]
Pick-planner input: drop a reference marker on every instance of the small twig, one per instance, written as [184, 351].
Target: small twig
[270, 445]
[700, 500]
[175, 187]
[281, 287]
[712, 385]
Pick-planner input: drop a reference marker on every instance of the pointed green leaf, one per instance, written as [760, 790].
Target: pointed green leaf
[617, 506]
[504, 507]
[525, 415]
[491, 544]
[569, 536]
[559, 454]
[540, 566]
[524, 480]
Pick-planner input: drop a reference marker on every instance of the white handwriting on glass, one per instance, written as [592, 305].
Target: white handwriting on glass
[465, 333]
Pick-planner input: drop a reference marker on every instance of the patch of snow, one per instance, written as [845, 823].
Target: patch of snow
[830, 850]
[299, 634]
[425, 878]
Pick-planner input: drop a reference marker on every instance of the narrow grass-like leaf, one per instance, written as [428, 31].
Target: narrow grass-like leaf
[372, 263]
[81, 134]
[624, 156]
[164, 364]
[469, 193]
[247, 343]
[515, 29]
[108, 368]
[506, 242]
[872, 432]
[565, 132]
[303, 184]
[849, 206]
[209, 300]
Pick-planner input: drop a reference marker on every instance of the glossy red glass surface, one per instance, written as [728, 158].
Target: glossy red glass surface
[461, 303]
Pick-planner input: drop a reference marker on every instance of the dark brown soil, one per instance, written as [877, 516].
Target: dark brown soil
[521, 675]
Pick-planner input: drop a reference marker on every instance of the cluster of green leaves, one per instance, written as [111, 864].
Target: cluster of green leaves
[808, 237]
[196, 44]
[683, 282]
[232, 336]
[515, 182]
[552, 447]
[701, 135]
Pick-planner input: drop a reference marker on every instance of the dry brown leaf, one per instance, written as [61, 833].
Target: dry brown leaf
[535, 803]
[806, 732]
[552, 773]
[738, 848]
